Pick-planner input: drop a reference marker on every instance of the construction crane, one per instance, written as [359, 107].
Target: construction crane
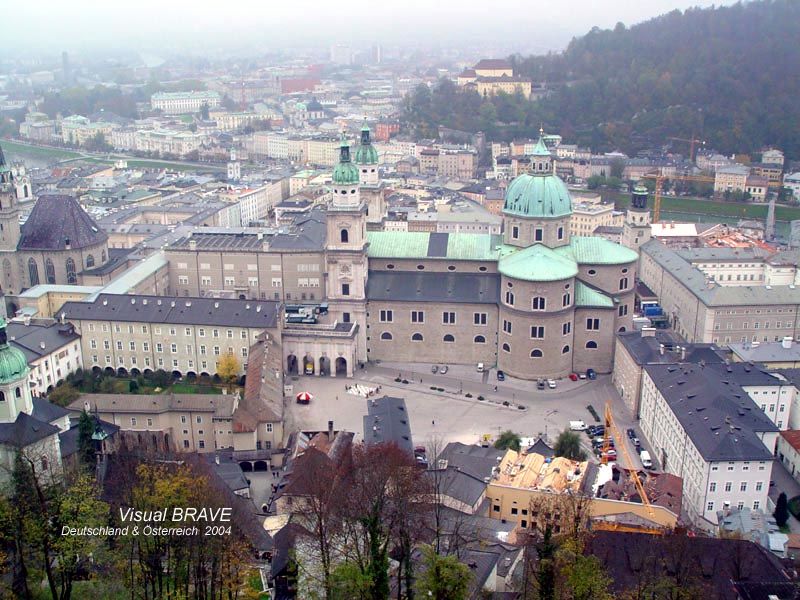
[659, 178]
[692, 142]
[612, 426]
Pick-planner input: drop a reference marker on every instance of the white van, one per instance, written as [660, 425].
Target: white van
[647, 462]
[480, 368]
[577, 426]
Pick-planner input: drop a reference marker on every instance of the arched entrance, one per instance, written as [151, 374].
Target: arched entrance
[135, 372]
[341, 367]
[246, 466]
[122, 371]
[324, 366]
[260, 465]
[308, 365]
[176, 375]
[291, 364]
[110, 371]
[97, 370]
[148, 373]
[191, 376]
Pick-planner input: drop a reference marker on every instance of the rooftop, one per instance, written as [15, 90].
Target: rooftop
[470, 288]
[58, 221]
[451, 246]
[536, 472]
[220, 405]
[387, 421]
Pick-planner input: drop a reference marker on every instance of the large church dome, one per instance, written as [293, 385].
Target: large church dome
[540, 194]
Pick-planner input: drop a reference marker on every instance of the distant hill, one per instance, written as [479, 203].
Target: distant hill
[729, 75]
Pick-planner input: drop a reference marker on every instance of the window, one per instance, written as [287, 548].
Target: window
[538, 303]
[537, 332]
[479, 318]
[49, 271]
[344, 236]
[173, 348]
[507, 326]
[756, 504]
[133, 421]
[623, 283]
[449, 339]
[561, 233]
[591, 344]
[743, 486]
[386, 316]
[199, 420]
[622, 310]
[592, 324]
[119, 345]
[536, 354]
[566, 328]
[710, 507]
[449, 318]
[33, 272]
[72, 278]
[345, 289]
[538, 235]
[132, 346]
[185, 443]
[712, 487]
[759, 485]
[417, 337]
[509, 298]
[417, 316]
[515, 232]
[149, 422]
[506, 348]
[346, 317]
[565, 350]
[386, 335]
[479, 339]
[566, 299]
[728, 486]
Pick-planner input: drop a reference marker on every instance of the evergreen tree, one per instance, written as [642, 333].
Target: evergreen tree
[781, 513]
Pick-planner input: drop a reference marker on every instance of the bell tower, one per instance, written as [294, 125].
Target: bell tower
[636, 228]
[346, 248]
[9, 211]
[366, 159]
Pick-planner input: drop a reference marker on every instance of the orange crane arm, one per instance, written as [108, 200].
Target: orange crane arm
[610, 424]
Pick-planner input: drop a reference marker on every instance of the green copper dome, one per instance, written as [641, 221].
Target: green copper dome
[537, 263]
[366, 153]
[345, 173]
[538, 196]
[13, 365]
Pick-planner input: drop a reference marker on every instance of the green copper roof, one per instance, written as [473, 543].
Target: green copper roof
[597, 251]
[345, 173]
[586, 296]
[366, 153]
[13, 365]
[541, 148]
[425, 245]
[538, 196]
[537, 263]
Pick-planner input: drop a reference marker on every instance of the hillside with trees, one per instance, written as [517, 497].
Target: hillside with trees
[723, 74]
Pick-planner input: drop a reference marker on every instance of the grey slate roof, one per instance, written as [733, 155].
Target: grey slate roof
[29, 338]
[766, 352]
[387, 421]
[646, 350]
[56, 219]
[47, 411]
[472, 288]
[178, 311]
[25, 431]
[716, 413]
[713, 294]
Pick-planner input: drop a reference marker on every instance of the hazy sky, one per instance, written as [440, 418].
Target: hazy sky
[528, 25]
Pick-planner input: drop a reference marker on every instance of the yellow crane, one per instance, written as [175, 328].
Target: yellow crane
[612, 426]
[659, 178]
[692, 142]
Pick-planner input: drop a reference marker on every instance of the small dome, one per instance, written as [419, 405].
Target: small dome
[538, 196]
[366, 153]
[345, 172]
[537, 263]
[13, 366]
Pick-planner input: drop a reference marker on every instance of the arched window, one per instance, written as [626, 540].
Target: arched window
[565, 350]
[417, 337]
[18, 393]
[345, 236]
[33, 271]
[622, 330]
[2, 397]
[536, 354]
[49, 271]
[510, 298]
[71, 277]
[479, 339]
[89, 261]
[623, 283]
[103, 256]
[538, 303]
[386, 335]
[506, 348]
[591, 344]
[449, 339]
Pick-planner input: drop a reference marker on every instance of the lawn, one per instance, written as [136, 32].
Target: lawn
[14, 147]
[193, 388]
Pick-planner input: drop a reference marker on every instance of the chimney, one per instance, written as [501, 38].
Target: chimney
[787, 342]
[330, 431]
[192, 244]
[216, 458]
[648, 332]
[661, 349]
[683, 353]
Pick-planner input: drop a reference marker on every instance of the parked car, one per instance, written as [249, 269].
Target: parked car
[590, 373]
[636, 443]
[573, 377]
[540, 384]
[581, 375]
[443, 369]
[480, 368]
[631, 433]
[551, 383]
[611, 454]
[597, 429]
[577, 426]
[501, 376]
[435, 369]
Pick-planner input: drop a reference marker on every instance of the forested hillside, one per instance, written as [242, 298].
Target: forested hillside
[728, 75]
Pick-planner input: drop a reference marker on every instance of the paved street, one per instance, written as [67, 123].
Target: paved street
[450, 415]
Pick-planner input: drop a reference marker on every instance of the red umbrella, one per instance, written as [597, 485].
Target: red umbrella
[304, 397]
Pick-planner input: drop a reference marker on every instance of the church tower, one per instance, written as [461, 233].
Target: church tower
[346, 248]
[636, 229]
[15, 392]
[366, 159]
[9, 211]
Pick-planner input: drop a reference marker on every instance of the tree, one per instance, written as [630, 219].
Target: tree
[781, 513]
[228, 368]
[568, 445]
[98, 143]
[443, 577]
[204, 111]
[508, 440]
[86, 451]
[63, 395]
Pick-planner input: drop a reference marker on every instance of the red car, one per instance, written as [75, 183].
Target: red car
[573, 377]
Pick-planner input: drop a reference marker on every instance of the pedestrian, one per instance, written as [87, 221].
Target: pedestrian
[495, 388]
[433, 422]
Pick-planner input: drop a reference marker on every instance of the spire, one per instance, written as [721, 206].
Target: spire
[344, 151]
[365, 141]
[3, 335]
[541, 148]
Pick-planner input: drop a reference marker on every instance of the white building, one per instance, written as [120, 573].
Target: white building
[703, 427]
[177, 103]
[792, 181]
[53, 351]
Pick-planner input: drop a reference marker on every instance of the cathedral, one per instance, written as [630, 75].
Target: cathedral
[56, 244]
